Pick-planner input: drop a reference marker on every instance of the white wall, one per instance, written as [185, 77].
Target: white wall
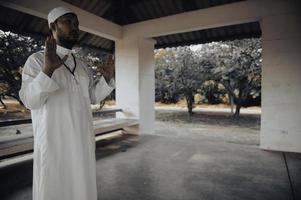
[223, 15]
[127, 77]
[281, 76]
[135, 81]
[147, 85]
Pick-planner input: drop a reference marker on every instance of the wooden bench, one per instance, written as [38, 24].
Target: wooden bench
[28, 120]
[11, 146]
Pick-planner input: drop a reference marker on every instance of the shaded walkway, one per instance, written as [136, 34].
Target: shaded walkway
[160, 167]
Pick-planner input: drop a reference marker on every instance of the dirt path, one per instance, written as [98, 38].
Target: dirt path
[209, 122]
[209, 126]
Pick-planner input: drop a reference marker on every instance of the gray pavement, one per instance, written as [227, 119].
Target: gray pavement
[182, 161]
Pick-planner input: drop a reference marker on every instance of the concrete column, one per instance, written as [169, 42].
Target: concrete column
[135, 81]
[281, 76]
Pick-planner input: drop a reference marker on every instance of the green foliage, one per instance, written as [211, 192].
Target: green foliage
[14, 51]
[95, 59]
[237, 66]
[178, 74]
[212, 92]
[230, 69]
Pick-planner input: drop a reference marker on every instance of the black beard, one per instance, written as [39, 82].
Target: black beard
[67, 43]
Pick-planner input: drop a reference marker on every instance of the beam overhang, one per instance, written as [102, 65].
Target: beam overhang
[88, 22]
[224, 15]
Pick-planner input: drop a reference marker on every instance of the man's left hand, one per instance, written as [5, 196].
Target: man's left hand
[108, 69]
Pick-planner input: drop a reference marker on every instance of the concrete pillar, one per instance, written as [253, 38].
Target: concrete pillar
[135, 81]
[281, 76]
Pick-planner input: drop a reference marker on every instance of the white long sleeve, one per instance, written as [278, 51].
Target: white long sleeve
[100, 89]
[36, 85]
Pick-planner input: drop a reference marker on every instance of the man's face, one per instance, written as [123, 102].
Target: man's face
[66, 29]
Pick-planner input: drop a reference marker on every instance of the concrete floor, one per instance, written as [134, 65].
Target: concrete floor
[159, 167]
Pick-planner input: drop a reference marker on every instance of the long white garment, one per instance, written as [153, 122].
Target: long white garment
[64, 145]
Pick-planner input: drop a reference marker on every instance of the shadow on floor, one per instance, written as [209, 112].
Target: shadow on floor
[170, 168]
[16, 180]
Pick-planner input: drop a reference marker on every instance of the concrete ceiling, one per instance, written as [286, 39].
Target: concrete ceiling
[125, 12]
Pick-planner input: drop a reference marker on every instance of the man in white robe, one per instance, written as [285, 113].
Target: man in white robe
[59, 89]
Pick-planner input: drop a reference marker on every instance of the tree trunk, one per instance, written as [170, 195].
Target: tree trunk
[238, 104]
[16, 98]
[189, 100]
[237, 111]
[20, 102]
[231, 103]
[101, 104]
[3, 104]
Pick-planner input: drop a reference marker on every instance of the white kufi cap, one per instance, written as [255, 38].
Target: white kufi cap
[56, 13]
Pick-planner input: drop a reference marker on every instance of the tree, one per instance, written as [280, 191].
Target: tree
[14, 51]
[165, 90]
[179, 71]
[234, 65]
[238, 68]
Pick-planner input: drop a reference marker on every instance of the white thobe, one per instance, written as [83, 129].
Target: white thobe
[64, 145]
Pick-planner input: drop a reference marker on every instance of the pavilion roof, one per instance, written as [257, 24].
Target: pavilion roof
[125, 12]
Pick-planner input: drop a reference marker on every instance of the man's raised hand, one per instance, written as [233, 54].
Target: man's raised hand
[51, 60]
[108, 69]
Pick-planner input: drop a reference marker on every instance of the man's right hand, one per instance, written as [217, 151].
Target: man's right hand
[51, 60]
